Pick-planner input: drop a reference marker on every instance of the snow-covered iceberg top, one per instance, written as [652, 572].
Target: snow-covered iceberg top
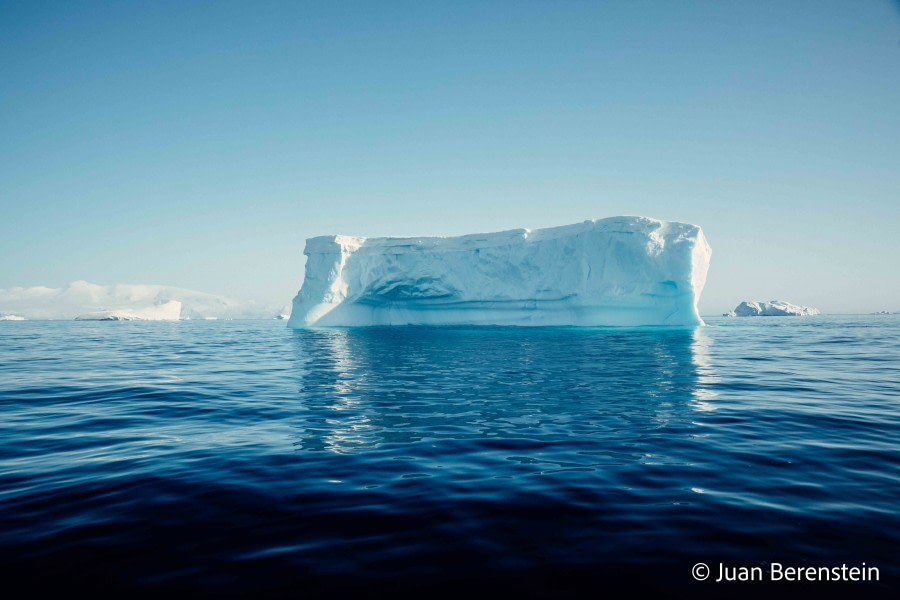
[772, 308]
[616, 271]
[170, 311]
[11, 317]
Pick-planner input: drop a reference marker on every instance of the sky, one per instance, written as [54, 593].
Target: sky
[198, 144]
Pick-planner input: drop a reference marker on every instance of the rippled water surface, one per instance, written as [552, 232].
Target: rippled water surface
[245, 458]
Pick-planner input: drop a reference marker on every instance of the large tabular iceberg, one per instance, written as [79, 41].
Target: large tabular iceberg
[617, 271]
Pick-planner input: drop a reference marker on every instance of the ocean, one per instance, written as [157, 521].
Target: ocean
[241, 458]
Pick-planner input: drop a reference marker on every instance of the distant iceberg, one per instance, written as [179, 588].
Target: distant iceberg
[170, 311]
[772, 308]
[617, 271]
[11, 318]
[85, 299]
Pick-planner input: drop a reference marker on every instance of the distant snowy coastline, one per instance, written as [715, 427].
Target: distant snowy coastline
[169, 311]
[89, 301]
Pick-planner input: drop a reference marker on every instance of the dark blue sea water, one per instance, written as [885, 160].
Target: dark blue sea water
[243, 458]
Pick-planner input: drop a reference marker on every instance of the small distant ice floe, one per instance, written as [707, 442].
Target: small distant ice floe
[772, 308]
[170, 311]
[282, 317]
[4, 317]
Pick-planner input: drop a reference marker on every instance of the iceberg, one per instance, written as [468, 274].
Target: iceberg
[626, 271]
[170, 311]
[11, 318]
[772, 308]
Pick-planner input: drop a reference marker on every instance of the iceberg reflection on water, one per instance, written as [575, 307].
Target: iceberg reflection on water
[532, 461]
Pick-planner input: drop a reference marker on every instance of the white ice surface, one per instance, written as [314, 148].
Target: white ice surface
[170, 311]
[772, 308]
[81, 298]
[616, 271]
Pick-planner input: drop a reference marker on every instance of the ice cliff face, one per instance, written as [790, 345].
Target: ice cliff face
[616, 271]
[772, 308]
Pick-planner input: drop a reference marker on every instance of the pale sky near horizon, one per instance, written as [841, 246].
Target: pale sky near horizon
[198, 144]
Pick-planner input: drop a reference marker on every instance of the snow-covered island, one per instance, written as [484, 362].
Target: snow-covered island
[169, 311]
[772, 308]
[125, 301]
[616, 271]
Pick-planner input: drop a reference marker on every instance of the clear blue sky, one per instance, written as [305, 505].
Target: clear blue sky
[199, 143]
